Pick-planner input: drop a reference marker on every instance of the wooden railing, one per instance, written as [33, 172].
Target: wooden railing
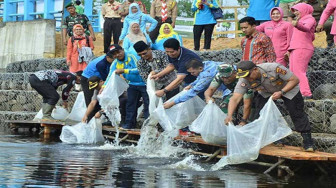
[216, 34]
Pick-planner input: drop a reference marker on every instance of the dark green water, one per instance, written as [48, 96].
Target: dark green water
[27, 161]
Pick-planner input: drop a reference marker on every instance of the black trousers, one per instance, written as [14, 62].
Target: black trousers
[111, 26]
[155, 33]
[88, 96]
[208, 30]
[45, 89]
[294, 107]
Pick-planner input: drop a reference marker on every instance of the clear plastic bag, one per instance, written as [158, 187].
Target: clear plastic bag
[78, 109]
[180, 115]
[109, 98]
[244, 142]
[83, 133]
[210, 124]
[58, 113]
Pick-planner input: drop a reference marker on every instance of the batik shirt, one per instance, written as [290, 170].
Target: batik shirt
[57, 78]
[70, 21]
[160, 62]
[258, 48]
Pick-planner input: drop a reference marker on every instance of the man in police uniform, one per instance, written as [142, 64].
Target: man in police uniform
[164, 11]
[226, 80]
[73, 19]
[276, 81]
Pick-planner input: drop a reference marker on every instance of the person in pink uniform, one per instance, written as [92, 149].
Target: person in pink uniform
[280, 33]
[331, 8]
[301, 45]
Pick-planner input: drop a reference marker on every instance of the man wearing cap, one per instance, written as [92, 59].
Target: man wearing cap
[205, 72]
[276, 81]
[73, 19]
[256, 46]
[178, 58]
[125, 64]
[154, 61]
[112, 24]
[95, 84]
[226, 80]
[46, 82]
[99, 67]
[164, 11]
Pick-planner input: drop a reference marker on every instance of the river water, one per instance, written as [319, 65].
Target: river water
[28, 161]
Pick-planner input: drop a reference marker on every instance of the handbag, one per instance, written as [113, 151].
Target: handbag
[217, 13]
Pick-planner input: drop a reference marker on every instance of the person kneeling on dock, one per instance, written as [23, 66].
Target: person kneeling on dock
[46, 82]
[226, 80]
[276, 81]
[95, 83]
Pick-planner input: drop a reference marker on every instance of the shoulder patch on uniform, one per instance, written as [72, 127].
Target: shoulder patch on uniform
[264, 75]
[254, 84]
[280, 70]
[272, 78]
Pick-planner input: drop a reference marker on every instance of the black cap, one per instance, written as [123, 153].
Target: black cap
[114, 47]
[243, 68]
[140, 46]
[69, 5]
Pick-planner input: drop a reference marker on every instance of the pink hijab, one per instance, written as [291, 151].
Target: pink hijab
[304, 9]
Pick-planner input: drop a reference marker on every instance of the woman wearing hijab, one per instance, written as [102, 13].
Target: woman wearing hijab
[135, 15]
[79, 49]
[301, 46]
[280, 33]
[134, 35]
[166, 32]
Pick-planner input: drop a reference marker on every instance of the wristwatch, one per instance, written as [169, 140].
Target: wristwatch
[283, 93]
[166, 91]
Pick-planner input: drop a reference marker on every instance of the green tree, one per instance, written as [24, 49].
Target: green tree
[184, 8]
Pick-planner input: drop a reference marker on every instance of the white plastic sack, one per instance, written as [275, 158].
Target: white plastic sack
[58, 113]
[210, 124]
[78, 109]
[109, 98]
[244, 143]
[180, 115]
[83, 133]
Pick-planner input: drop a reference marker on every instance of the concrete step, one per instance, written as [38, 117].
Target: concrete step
[18, 115]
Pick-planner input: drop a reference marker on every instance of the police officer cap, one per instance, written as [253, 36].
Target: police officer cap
[225, 70]
[243, 68]
[69, 5]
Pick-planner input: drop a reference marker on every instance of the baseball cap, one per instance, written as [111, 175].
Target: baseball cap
[114, 47]
[225, 70]
[243, 68]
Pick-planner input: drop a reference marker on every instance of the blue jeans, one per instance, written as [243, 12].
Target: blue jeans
[134, 93]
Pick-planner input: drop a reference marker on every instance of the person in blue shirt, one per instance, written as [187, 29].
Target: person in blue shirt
[166, 32]
[178, 57]
[205, 72]
[135, 15]
[226, 80]
[203, 21]
[99, 67]
[134, 35]
[260, 9]
[125, 64]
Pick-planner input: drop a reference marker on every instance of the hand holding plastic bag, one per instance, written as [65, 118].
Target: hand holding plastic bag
[78, 109]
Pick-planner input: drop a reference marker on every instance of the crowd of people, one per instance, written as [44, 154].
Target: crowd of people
[274, 62]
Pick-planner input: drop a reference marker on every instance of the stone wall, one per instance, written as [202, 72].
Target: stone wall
[26, 40]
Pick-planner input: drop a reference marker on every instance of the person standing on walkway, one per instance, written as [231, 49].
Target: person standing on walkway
[112, 23]
[323, 23]
[73, 19]
[280, 32]
[203, 21]
[256, 46]
[164, 11]
[301, 46]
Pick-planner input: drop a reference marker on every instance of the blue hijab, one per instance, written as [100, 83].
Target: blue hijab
[134, 16]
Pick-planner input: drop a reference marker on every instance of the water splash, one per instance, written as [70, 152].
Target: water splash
[187, 164]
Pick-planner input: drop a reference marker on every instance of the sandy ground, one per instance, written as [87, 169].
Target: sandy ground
[218, 44]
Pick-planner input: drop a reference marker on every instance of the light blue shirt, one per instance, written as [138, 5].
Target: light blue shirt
[202, 81]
